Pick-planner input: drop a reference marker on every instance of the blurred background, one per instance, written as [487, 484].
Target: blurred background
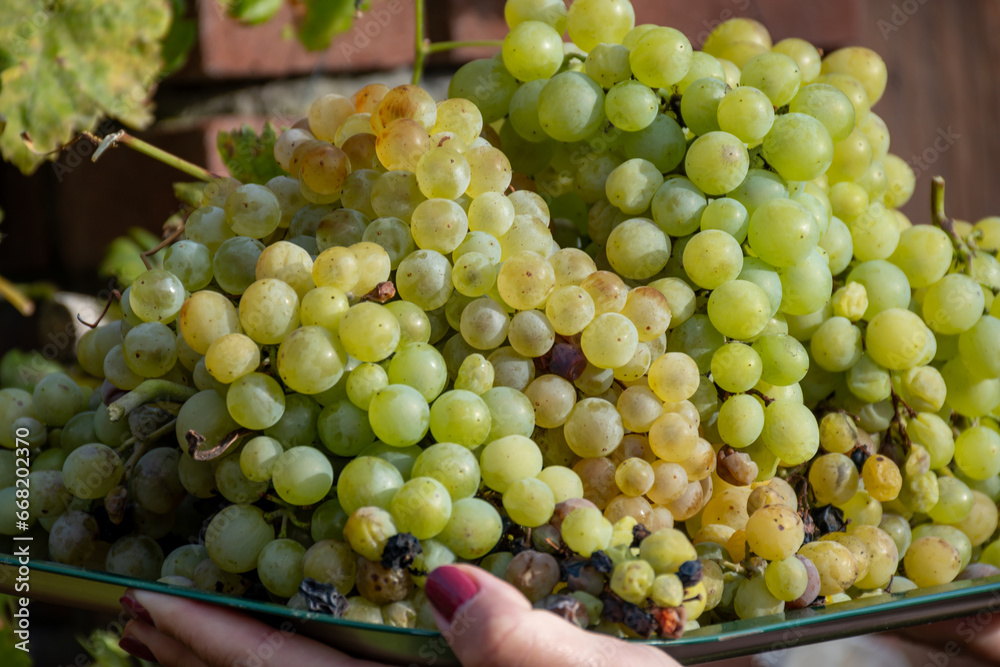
[940, 105]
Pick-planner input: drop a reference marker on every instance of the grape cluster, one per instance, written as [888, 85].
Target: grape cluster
[636, 327]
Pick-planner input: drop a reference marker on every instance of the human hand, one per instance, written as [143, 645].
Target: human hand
[486, 621]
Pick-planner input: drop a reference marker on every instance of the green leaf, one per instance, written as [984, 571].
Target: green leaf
[249, 156]
[252, 12]
[74, 62]
[179, 40]
[323, 20]
[190, 193]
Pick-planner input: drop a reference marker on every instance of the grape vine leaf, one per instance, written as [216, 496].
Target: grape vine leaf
[249, 156]
[179, 39]
[324, 19]
[70, 63]
[251, 12]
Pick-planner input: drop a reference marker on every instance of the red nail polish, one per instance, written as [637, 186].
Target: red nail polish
[448, 588]
[136, 648]
[135, 610]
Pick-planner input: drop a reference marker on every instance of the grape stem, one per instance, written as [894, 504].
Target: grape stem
[423, 47]
[124, 138]
[901, 410]
[940, 219]
[115, 294]
[173, 236]
[147, 392]
[152, 437]
[16, 297]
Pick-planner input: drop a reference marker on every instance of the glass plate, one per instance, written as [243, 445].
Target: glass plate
[63, 584]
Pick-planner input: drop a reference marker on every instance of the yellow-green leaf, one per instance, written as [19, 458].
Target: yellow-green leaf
[249, 156]
[72, 62]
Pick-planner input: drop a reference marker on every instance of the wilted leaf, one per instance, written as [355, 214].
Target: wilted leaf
[323, 20]
[72, 63]
[249, 156]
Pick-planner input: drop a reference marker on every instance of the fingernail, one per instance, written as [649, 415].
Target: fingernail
[448, 588]
[136, 648]
[135, 610]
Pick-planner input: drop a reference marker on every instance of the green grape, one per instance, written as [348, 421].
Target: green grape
[422, 507]
[183, 560]
[344, 428]
[923, 388]
[836, 345]
[632, 580]
[508, 459]
[156, 296]
[252, 210]
[563, 482]
[92, 471]
[79, 430]
[136, 556]
[610, 340]
[453, 465]
[712, 258]
[608, 64]
[73, 538]
[700, 104]
[327, 521]
[323, 306]
[197, 477]
[532, 50]
[593, 22]
[156, 486]
[754, 598]
[775, 74]
[311, 360]
[736, 367]
[955, 501]
[476, 374]
[302, 475]
[461, 417]
[439, 225]
[56, 399]
[833, 478]
[759, 187]
[491, 212]
[631, 106]
[269, 311]
[235, 537]
[717, 162]
[739, 309]
[977, 452]
[806, 286]
[636, 249]
[207, 226]
[231, 356]
[764, 276]
[424, 278]
[782, 232]
[473, 530]
[150, 350]
[414, 324]
[661, 142]
[341, 227]
[593, 428]
[234, 263]
[585, 530]
[255, 401]
[790, 431]
[728, 216]
[396, 194]
[798, 146]
[896, 339]
[525, 280]
[745, 112]
[703, 66]
[863, 64]
[258, 456]
[787, 578]
[571, 105]
[698, 338]
[665, 550]
[741, 420]
[369, 332]
[461, 117]
[979, 348]
[474, 274]
[368, 480]
[191, 262]
[393, 236]
[117, 372]
[234, 485]
[399, 415]
[969, 393]
[363, 382]
[953, 304]
[886, 286]
[660, 58]
[931, 561]
[289, 263]
[279, 566]
[490, 170]
[805, 55]
[289, 196]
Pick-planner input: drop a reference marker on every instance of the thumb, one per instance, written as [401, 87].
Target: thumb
[488, 622]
